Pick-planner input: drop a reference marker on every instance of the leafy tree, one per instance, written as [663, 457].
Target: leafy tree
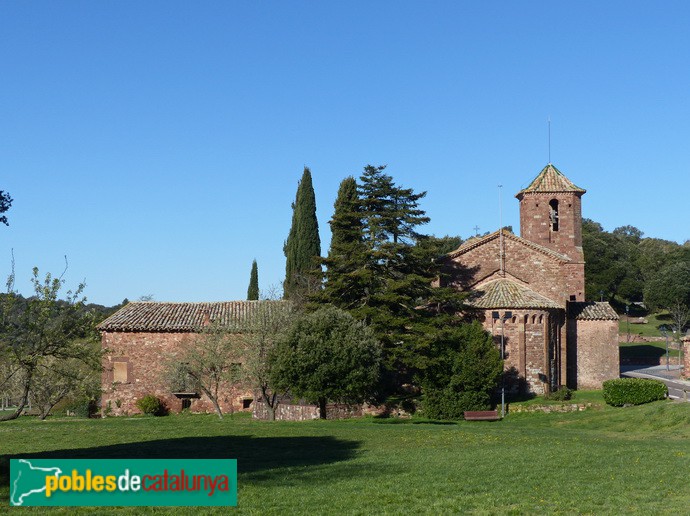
[58, 380]
[328, 356]
[670, 289]
[464, 372]
[5, 203]
[382, 270]
[253, 290]
[303, 246]
[45, 334]
[208, 361]
[611, 262]
[267, 326]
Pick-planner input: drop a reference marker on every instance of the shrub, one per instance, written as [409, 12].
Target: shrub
[151, 405]
[562, 394]
[450, 404]
[463, 374]
[633, 391]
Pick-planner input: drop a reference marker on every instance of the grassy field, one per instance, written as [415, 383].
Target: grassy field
[600, 461]
[648, 329]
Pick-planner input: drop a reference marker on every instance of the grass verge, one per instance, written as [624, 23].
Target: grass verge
[608, 461]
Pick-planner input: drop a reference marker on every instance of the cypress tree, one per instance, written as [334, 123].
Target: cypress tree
[303, 246]
[253, 290]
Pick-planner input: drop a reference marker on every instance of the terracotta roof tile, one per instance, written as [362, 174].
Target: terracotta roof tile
[591, 311]
[550, 179]
[172, 317]
[504, 293]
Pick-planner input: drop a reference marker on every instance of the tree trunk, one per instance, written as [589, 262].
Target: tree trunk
[270, 402]
[25, 399]
[322, 408]
[214, 400]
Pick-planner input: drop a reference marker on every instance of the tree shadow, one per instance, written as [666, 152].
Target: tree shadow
[258, 458]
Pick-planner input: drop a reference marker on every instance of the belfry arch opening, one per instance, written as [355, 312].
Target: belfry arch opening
[553, 214]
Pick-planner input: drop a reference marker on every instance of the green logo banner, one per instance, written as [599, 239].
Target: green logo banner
[123, 482]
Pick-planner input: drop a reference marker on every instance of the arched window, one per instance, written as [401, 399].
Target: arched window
[534, 319]
[541, 319]
[553, 214]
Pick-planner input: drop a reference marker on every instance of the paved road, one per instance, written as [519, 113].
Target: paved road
[677, 388]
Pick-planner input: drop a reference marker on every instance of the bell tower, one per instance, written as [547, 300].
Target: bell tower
[551, 213]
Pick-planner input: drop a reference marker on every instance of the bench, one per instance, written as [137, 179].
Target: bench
[481, 415]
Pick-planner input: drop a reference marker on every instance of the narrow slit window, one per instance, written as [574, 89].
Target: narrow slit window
[553, 214]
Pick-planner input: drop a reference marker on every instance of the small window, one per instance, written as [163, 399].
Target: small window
[247, 403]
[120, 373]
[553, 214]
[573, 297]
[541, 319]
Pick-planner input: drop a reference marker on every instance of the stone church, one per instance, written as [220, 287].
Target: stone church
[529, 292]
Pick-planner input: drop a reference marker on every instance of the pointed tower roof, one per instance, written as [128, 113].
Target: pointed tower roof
[550, 180]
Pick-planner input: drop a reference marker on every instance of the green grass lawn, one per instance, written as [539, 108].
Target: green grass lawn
[649, 329]
[600, 461]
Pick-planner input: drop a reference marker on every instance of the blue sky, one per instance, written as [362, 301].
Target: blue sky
[159, 144]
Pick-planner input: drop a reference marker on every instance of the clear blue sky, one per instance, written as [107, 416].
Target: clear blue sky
[159, 144]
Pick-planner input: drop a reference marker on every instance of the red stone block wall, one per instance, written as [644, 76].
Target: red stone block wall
[540, 272]
[686, 357]
[595, 343]
[531, 340]
[535, 223]
[145, 356]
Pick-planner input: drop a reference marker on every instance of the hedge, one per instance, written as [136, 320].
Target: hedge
[633, 391]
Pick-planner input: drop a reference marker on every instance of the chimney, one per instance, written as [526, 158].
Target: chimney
[207, 317]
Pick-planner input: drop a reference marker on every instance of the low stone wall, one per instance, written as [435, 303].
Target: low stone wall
[566, 407]
[288, 412]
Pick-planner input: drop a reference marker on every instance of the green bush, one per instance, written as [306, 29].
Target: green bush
[450, 404]
[152, 406]
[562, 394]
[81, 407]
[633, 391]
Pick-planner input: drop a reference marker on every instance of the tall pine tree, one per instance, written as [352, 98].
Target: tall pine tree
[253, 290]
[382, 270]
[303, 246]
[344, 274]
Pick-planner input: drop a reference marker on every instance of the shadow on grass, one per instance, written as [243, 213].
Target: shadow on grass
[263, 458]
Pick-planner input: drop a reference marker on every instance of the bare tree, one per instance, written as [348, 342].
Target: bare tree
[41, 330]
[270, 320]
[210, 361]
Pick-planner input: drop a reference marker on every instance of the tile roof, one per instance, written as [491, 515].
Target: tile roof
[550, 179]
[591, 311]
[185, 317]
[504, 293]
[476, 242]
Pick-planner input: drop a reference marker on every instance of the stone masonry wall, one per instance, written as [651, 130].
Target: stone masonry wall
[535, 223]
[530, 339]
[134, 365]
[596, 347]
[540, 272]
[285, 412]
[686, 357]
